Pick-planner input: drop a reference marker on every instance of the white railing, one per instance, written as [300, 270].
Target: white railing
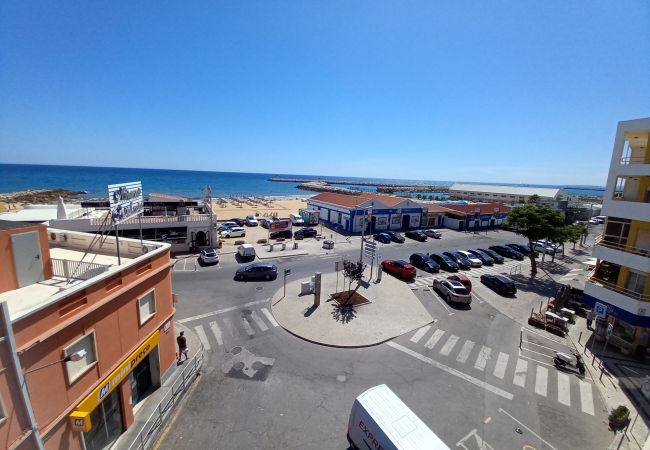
[161, 219]
[150, 429]
[77, 270]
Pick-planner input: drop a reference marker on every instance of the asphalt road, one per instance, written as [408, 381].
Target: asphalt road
[465, 376]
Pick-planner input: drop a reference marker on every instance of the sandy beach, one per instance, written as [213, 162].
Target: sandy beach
[280, 207]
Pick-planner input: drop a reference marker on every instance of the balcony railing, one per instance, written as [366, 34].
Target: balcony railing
[641, 159]
[162, 219]
[622, 247]
[77, 270]
[623, 291]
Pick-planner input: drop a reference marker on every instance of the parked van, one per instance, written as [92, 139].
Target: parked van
[246, 251]
[379, 419]
[296, 220]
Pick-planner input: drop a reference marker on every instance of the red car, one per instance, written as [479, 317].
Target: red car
[399, 268]
[463, 279]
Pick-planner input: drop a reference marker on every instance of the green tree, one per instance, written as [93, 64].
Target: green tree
[533, 199]
[575, 232]
[535, 223]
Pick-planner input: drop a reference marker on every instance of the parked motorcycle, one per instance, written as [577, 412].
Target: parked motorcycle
[571, 361]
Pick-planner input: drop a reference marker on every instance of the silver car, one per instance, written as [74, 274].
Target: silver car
[452, 291]
[433, 233]
[209, 256]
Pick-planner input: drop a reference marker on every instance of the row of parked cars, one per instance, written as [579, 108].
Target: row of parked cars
[232, 229]
[387, 237]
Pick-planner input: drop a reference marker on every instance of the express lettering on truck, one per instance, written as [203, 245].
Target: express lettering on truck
[375, 444]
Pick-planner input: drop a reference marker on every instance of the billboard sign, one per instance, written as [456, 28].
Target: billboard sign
[125, 200]
[279, 225]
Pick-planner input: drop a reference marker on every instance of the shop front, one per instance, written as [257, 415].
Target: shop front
[104, 414]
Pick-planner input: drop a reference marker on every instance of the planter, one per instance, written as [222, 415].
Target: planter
[619, 418]
[535, 322]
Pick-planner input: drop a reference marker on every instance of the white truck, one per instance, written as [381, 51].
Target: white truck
[296, 220]
[381, 421]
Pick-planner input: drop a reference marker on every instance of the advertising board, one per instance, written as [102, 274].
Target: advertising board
[125, 200]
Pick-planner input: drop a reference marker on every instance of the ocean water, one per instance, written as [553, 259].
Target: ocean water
[189, 183]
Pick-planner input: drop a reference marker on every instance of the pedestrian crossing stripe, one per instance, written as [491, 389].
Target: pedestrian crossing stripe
[225, 324]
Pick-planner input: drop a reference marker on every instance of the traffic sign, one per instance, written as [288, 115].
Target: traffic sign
[287, 272]
[600, 309]
[610, 329]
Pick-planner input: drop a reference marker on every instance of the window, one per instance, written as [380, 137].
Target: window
[635, 282]
[77, 368]
[147, 306]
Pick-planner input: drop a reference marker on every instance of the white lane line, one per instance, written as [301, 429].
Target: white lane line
[229, 325]
[202, 337]
[452, 371]
[221, 311]
[482, 359]
[420, 334]
[217, 332]
[586, 398]
[563, 389]
[449, 345]
[503, 411]
[473, 294]
[433, 340]
[520, 373]
[269, 316]
[258, 321]
[247, 327]
[541, 381]
[465, 351]
[502, 364]
[440, 301]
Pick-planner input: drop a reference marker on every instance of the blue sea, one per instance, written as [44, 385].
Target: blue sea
[189, 183]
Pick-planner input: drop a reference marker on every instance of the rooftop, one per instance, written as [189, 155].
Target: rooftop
[512, 190]
[351, 201]
[470, 208]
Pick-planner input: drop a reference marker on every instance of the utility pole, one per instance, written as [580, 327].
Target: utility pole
[208, 195]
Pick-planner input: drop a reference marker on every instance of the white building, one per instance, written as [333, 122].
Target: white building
[511, 195]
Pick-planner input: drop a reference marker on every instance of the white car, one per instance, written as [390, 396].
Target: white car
[555, 246]
[433, 233]
[452, 291]
[233, 232]
[227, 225]
[209, 256]
[541, 247]
[251, 221]
[473, 260]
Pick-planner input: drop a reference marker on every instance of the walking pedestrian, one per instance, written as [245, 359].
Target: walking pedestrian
[182, 346]
[590, 318]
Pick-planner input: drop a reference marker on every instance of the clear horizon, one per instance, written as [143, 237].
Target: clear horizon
[506, 93]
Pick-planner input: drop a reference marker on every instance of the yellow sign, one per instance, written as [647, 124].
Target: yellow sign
[80, 417]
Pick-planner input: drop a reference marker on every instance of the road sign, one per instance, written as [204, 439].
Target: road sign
[287, 272]
[610, 329]
[600, 309]
[371, 244]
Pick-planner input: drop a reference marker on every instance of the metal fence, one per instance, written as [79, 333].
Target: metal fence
[146, 437]
[77, 270]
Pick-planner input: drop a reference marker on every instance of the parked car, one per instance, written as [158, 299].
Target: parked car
[208, 256]
[555, 246]
[463, 279]
[492, 254]
[484, 257]
[257, 271]
[459, 259]
[395, 236]
[519, 248]
[543, 248]
[238, 221]
[473, 260]
[305, 233]
[233, 232]
[246, 251]
[265, 223]
[433, 233]
[382, 237]
[416, 235]
[281, 234]
[251, 221]
[399, 268]
[507, 251]
[500, 284]
[444, 262]
[227, 226]
[452, 291]
[424, 262]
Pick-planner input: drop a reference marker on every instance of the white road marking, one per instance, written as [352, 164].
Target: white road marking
[541, 381]
[586, 398]
[420, 334]
[229, 325]
[217, 332]
[520, 373]
[563, 389]
[476, 297]
[452, 371]
[202, 337]
[269, 316]
[440, 301]
[502, 364]
[258, 321]
[449, 345]
[482, 359]
[465, 351]
[221, 311]
[247, 327]
[433, 340]
[503, 411]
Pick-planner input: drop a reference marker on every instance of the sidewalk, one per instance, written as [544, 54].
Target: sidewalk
[174, 384]
[619, 379]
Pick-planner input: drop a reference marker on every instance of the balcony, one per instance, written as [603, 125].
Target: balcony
[610, 286]
[634, 303]
[77, 270]
[628, 208]
[622, 254]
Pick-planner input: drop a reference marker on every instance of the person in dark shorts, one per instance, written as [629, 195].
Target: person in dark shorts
[182, 346]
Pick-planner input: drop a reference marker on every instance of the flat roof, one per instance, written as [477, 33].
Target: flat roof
[13, 225]
[512, 190]
[39, 213]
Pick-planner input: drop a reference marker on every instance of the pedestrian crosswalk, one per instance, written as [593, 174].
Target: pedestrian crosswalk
[477, 271]
[244, 323]
[545, 381]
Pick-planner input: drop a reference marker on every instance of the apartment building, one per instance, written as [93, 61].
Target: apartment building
[86, 334]
[619, 288]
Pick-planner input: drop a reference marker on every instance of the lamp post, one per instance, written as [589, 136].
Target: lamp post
[496, 217]
[477, 218]
[76, 356]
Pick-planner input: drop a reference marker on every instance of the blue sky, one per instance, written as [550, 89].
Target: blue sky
[504, 91]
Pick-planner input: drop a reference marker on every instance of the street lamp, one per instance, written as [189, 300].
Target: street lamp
[76, 356]
[477, 217]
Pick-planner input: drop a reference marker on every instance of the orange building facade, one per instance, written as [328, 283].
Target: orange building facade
[87, 334]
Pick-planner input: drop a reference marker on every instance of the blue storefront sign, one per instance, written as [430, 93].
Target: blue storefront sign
[615, 311]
